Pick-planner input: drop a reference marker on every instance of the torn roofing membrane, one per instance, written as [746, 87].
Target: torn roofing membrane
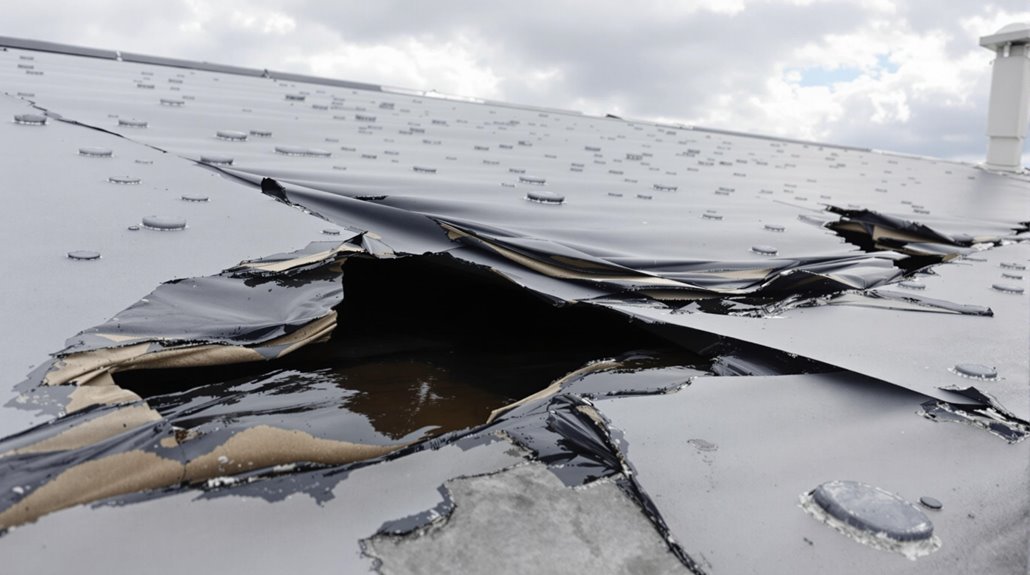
[809, 442]
[226, 311]
[478, 274]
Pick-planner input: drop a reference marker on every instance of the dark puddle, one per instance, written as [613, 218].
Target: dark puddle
[424, 346]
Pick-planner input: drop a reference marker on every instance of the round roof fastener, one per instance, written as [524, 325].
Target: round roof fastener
[216, 160]
[164, 224]
[330, 232]
[774, 228]
[92, 152]
[976, 371]
[127, 123]
[231, 135]
[194, 198]
[1008, 288]
[124, 180]
[30, 119]
[291, 150]
[931, 502]
[543, 197]
[84, 255]
[765, 250]
[301, 151]
[874, 510]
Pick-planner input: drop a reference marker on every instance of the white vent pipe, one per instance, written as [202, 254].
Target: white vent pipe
[1010, 97]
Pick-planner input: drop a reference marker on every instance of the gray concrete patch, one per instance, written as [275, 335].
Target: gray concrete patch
[524, 520]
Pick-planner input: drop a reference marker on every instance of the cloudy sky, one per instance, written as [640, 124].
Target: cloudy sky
[904, 76]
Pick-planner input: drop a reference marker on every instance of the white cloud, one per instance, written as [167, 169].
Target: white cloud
[451, 67]
[905, 76]
[211, 19]
[265, 22]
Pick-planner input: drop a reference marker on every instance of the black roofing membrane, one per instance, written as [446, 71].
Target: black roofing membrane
[340, 287]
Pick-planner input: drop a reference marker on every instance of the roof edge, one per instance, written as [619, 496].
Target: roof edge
[68, 49]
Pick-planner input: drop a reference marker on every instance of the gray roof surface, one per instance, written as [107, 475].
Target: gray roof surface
[854, 291]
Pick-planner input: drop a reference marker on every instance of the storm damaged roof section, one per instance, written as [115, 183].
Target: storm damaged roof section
[713, 352]
[806, 431]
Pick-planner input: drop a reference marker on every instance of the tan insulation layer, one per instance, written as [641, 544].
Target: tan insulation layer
[93, 430]
[91, 370]
[880, 232]
[559, 272]
[116, 474]
[555, 386]
[82, 367]
[131, 472]
[101, 391]
[283, 266]
[265, 446]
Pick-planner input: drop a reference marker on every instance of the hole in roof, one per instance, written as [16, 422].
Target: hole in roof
[419, 360]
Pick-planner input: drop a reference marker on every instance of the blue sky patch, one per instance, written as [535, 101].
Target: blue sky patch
[826, 76]
[819, 76]
[884, 64]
